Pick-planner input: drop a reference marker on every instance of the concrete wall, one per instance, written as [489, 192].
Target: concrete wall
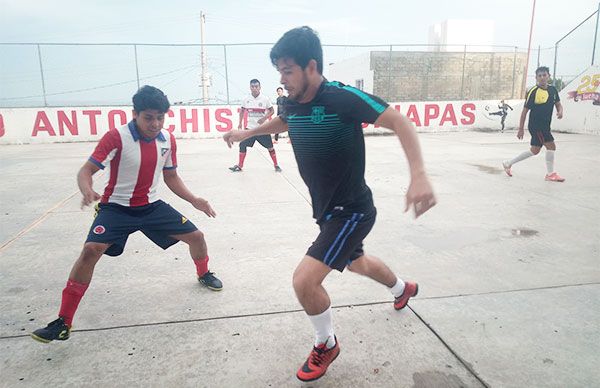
[581, 104]
[580, 98]
[438, 76]
[76, 124]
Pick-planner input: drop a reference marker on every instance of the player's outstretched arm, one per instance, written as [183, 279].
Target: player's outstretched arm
[276, 125]
[420, 193]
[176, 185]
[242, 113]
[85, 183]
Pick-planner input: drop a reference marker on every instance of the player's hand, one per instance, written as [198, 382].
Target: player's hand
[232, 137]
[203, 205]
[520, 133]
[89, 197]
[559, 115]
[420, 195]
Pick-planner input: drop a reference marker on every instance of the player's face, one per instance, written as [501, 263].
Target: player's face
[255, 89]
[149, 122]
[542, 78]
[279, 92]
[293, 78]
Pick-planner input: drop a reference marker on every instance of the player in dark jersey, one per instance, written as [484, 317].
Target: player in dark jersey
[324, 121]
[540, 103]
[281, 102]
[503, 111]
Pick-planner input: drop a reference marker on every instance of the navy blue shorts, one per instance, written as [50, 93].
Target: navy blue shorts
[541, 136]
[158, 221]
[341, 238]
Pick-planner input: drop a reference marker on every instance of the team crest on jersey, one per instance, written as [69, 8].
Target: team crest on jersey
[183, 220]
[260, 104]
[163, 151]
[318, 114]
[99, 229]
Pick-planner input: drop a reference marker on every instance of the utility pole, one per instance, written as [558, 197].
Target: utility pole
[203, 76]
[524, 87]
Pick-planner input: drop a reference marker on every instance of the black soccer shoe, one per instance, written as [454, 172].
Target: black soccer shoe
[56, 330]
[210, 281]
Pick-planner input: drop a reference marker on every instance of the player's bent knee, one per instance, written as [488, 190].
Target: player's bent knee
[301, 282]
[198, 237]
[93, 251]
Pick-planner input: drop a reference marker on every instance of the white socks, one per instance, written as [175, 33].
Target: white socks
[520, 157]
[550, 161]
[398, 288]
[323, 328]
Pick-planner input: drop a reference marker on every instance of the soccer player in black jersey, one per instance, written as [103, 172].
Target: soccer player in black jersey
[540, 102]
[281, 103]
[324, 121]
[503, 111]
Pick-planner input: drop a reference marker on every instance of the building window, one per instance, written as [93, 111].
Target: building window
[360, 84]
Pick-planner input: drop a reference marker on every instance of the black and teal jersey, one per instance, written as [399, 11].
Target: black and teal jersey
[328, 142]
[541, 104]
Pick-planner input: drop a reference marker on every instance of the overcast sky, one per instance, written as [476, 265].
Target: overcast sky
[338, 22]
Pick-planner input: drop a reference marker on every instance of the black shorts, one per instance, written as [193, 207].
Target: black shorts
[540, 136]
[341, 238]
[264, 140]
[158, 221]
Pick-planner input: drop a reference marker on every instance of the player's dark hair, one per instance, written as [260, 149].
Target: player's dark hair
[279, 88]
[300, 44]
[149, 97]
[254, 81]
[542, 69]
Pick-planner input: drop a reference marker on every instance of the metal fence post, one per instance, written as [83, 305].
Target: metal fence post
[389, 91]
[137, 71]
[514, 76]
[226, 73]
[462, 79]
[596, 33]
[42, 74]
[555, 56]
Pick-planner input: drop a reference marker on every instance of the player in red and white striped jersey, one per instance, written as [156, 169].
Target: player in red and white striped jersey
[259, 109]
[137, 154]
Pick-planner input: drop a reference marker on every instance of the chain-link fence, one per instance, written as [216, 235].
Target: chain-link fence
[108, 74]
[575, 51]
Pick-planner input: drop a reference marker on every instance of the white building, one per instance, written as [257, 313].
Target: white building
[355, 71]
[454, 34]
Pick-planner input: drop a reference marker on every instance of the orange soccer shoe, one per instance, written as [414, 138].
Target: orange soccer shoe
[318, 361]
[507, 167]
[410, 290]
[554, 177]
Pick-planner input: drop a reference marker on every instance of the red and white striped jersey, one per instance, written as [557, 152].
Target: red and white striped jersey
[256, 107]
[136, 164]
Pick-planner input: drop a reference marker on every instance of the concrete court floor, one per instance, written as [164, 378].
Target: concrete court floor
[508, 269]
